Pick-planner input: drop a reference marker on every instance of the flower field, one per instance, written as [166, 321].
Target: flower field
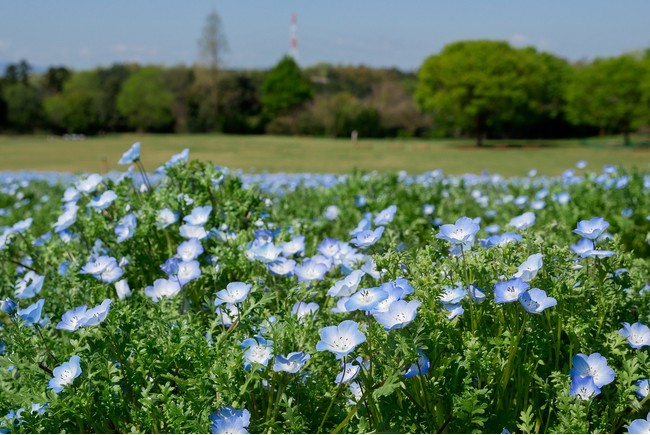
[197, 299]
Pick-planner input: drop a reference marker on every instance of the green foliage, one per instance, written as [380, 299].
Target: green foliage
[607, 94]
[145, 102]
[23, 106]
[77, 108]
[284, 88]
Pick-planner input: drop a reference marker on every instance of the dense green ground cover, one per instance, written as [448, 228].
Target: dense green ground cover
[442, 335]
[303, 154]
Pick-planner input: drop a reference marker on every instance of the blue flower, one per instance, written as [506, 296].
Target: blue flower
[94, 316]
[310, 271]
[230, 420]
[509, 291]
[258, 351]
[188, 231]
[349, 371]
[385, 216]
[583, 246]
[367, 238]
[341, 339]
[266, 252]
[637, 334]
[162, 288]
[73, 319]
[282, 267]
[67, 218]
[226, 314]
[366, 299]
[535, 301]
[329, 247]
[89, 184]
[453, 310]
[639, 426]
[65, 374]
[591, 229]
[460, 233]
[122, 289]
[303, 309]
[523, 221]
[234, 293]
[346, 286]
[428, 209]
[293, 246]
[597, 253]
[166, 217]
[399, 314]
[103, 268]
[188, 271]
[583, 387]
[475, 293]
[7, 305]
[29, 285]
[593, 366]
[642, 388]
[199, 215]
[103, 201]
[529, 268]
[452, 295]
[131, 155]
[331, 213]
[290, 363]
[126, 228]
[420, 367]
[31, 314]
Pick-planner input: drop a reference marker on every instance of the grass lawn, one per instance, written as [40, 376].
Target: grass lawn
[302, 154]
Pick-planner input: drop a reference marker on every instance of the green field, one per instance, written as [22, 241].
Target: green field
[302, 154]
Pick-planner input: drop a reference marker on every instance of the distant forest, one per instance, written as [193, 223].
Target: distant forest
[479, 89]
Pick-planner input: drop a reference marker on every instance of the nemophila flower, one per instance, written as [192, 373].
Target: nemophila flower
[161, 288]
[535, 301]
[70, 195]
[329, 247]
[3, 347]
[103, 201]
[166, 217]
[452, 295]
[294, 246]
[199, 215]
[189, 249]
[96, 315]
[230, 420]
[529, 268]
[420, 367]
[357, 393]
[341, 339]
[89, 184]
[126, 228]
[370, 268]
[31, 314]
[523, 221]
[258, 351]
[359, 200]
[340, 305]
[234, 293]
[581, 164]
[7, 305]
[428, 209]
[122, 288]
[399, 315]
[639, 426]
[591, 229]
[290, 363]
[637, 334]
[583, 387]
[328, 262]
[266, 253]
[538, 204]
[385, 216]
[642, 388]
[363, 225]
[509, 291]
[103, 268]
[475, 293]
[460, 233]
[188, 271]
[562, 198]
[67, 218]
[394, 294]
[73, 319]
[226, 314]
[583, 246]
[65, 374]
[131, 155]
[331, 213]
[597, 253]
[304, 309]
[188, 231]
[367, 238]
[29, 285]
[453, 310]
[170, 266]
[310, 271]
[593, 366]
[366, 299]
[282, 267]
[349, 371]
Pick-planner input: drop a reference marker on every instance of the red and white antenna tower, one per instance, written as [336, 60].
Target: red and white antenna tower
[294, 37]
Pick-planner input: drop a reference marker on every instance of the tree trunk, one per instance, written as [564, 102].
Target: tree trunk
[479, 138]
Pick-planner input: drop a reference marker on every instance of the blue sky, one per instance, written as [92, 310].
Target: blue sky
[83, 34]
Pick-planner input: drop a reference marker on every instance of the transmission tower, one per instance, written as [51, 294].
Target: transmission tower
[294, 37]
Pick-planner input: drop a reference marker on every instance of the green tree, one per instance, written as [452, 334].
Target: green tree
[77, 109]
[608, 94]
[480, 86]
[145, 102]
[285, 87]
[24, 109]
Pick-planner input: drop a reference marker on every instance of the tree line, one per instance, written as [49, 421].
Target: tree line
[481, 89]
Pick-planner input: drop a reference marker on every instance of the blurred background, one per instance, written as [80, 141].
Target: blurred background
[366, 80]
